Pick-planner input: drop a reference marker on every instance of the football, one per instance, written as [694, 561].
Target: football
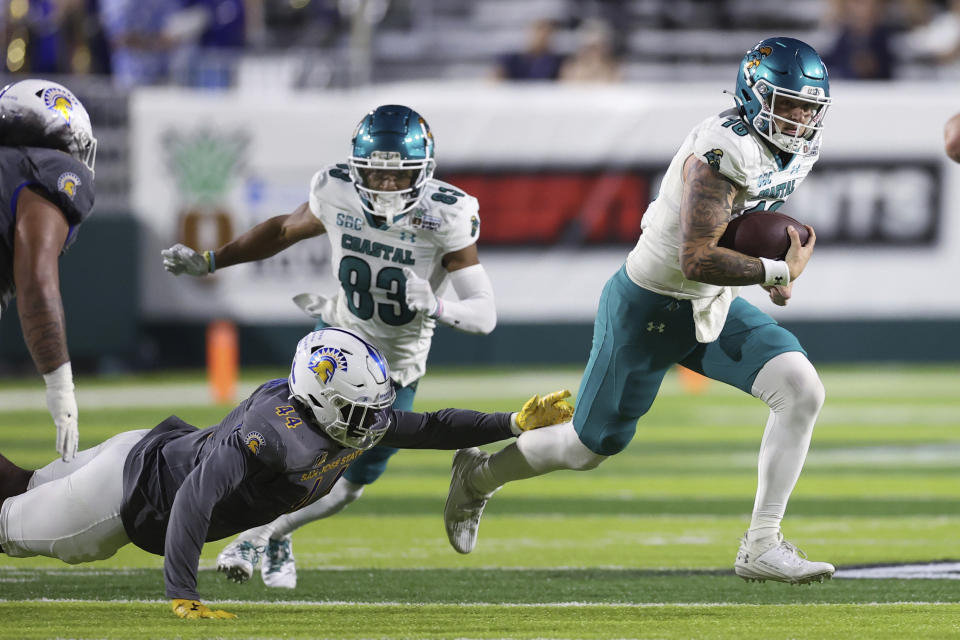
[762, 234]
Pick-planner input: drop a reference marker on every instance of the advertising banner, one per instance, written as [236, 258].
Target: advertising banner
[563, 175]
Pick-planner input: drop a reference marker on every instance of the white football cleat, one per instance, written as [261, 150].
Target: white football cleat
[238, 560]
[774, 558]
[461, 513]
[278, 568]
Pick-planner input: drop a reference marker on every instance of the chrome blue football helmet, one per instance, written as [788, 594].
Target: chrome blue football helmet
[343, 381]
[42, 113]
[396, 139]
[779, 68]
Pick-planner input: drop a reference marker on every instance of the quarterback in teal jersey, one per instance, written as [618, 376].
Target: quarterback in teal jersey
[396, 235]
[675, 301]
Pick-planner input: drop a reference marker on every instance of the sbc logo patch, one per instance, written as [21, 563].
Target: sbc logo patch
[474, 226]
[254, 441]
[325, 362]
[68, 183]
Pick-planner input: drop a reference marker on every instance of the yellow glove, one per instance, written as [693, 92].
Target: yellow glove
[542, 412]
[193, 609]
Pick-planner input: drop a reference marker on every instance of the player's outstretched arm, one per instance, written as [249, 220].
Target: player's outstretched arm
[194, 610]
[262, 241]
[544, 411]
[218, 474]
[41, 231]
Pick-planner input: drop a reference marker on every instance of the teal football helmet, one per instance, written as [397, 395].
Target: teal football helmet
[397, 140]
[783, 69]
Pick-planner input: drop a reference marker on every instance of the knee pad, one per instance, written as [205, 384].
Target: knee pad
[557, 447]
[789, 382]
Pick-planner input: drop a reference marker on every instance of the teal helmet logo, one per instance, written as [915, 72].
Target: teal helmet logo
[396, 140]
[778, 78]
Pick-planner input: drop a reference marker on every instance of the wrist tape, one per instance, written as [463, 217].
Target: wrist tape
[60, 378]
[776, 273]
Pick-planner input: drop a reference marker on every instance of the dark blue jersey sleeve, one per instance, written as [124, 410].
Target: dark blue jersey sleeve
[61, 178]
[58, 177]
[251, 446]
[446, 429]
[219, 474]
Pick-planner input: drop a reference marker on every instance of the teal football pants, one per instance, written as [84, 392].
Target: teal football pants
[371, 465]
[638, 335]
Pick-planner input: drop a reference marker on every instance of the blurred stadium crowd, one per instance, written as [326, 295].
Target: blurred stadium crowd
[331, 43]
[101, 49]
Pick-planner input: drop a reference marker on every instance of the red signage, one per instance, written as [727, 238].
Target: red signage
[557, 206]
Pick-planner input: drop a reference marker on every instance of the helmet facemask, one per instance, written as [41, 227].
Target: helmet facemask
[389, 204]
[786, 134]
[356, 424]
[342, 383]
[84, 149]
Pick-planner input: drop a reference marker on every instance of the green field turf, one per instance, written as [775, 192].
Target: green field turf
[641, 547]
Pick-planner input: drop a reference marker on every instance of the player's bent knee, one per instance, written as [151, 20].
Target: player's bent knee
[557, 447]
[586, 460]
[805, 387]
[789, 382]
[811, 396]
[73, 553]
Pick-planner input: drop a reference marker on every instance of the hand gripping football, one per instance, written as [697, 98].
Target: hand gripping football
[762, 234]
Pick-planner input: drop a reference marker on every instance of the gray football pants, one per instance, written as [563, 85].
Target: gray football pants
[71, 510]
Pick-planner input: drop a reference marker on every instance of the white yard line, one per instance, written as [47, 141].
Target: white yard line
[932, 570]
[522, 605]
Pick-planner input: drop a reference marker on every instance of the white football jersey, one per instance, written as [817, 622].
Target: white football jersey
[725, 142]
[369, 262]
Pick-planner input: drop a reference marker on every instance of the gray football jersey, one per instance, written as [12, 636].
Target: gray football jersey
[184, 486]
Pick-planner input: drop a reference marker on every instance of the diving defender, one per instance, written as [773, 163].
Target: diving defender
[172, 488]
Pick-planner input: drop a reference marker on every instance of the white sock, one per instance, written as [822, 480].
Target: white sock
[534, 453]
[343, 493]
[789, 384]
[504, 466]
[257, 536]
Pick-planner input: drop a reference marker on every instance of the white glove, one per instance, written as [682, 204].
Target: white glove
[182, 259]
[420, 296]
[315, 305]
[62, 404]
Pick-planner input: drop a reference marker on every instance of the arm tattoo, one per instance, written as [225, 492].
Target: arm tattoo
[44, 331]
[704, 214]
